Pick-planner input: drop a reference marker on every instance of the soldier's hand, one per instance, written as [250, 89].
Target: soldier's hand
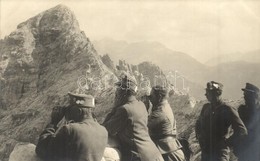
[57, 114]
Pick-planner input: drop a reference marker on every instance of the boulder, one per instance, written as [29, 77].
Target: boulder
[24, 152]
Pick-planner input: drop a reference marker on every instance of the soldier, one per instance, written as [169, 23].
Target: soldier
[81, 139]
[162, 126]
[128, 122]
[248, 149]
[212, 127]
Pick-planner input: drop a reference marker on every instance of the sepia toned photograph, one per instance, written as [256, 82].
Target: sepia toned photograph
[140, 80]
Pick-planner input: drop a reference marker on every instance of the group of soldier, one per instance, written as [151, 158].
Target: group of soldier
[217, 117]
[153, 137]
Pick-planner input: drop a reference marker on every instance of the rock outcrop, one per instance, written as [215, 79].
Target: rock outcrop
[25, 152]
[108, 62]
[43, 59]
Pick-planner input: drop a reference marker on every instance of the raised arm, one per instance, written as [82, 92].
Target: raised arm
[51, 144]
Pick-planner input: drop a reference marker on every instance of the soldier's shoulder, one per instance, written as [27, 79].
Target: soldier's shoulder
[123, 108]
[229, 107]
[205, 106]
[66, 128]
[133, 103]
[157, 113]
[242, 108]
[70, 124]
[101, 129]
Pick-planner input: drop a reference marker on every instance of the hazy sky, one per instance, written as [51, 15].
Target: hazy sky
[200, 28]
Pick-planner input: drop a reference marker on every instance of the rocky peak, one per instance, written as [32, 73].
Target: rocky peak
[108, 62]
[43, 48]
[40, 62]
[55, 23]
[152, 72]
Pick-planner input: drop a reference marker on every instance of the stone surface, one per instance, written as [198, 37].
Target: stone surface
[24, 152]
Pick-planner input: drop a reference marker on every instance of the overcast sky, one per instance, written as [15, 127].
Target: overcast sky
[200, 28]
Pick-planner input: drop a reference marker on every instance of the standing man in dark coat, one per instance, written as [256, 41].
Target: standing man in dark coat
[128, 122]
[249, 149]
[212, 127]
[162, 126]
[82, 139]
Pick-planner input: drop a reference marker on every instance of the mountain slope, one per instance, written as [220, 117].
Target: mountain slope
[154, 52]
[40, 62]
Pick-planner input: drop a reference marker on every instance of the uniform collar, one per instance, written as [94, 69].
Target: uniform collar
[88, 119]
[218, 103]
[131, 99]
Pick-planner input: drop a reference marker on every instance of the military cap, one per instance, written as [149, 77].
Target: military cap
[251, 88]
[82, 100]
[126, 81]
[212, 85]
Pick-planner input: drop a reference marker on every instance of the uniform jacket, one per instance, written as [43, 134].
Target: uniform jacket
[81, 141]
[251, 117]
[129, 124]
[162, 128]
[212, 127]
[248, 149]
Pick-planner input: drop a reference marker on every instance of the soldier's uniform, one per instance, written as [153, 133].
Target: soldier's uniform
[162, 129]
[128, 123]
[248, 149]
[79, 141]
[212, 130]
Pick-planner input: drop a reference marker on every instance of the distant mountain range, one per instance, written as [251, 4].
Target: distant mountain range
[250, 57]
[233, 70]
[234, 75]
[154, 52]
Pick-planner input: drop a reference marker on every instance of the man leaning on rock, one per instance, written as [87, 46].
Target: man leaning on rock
[82, 139]
[128, 123]
[162, 126]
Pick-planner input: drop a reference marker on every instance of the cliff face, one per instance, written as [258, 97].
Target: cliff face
[42, 50]
[46, 57]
